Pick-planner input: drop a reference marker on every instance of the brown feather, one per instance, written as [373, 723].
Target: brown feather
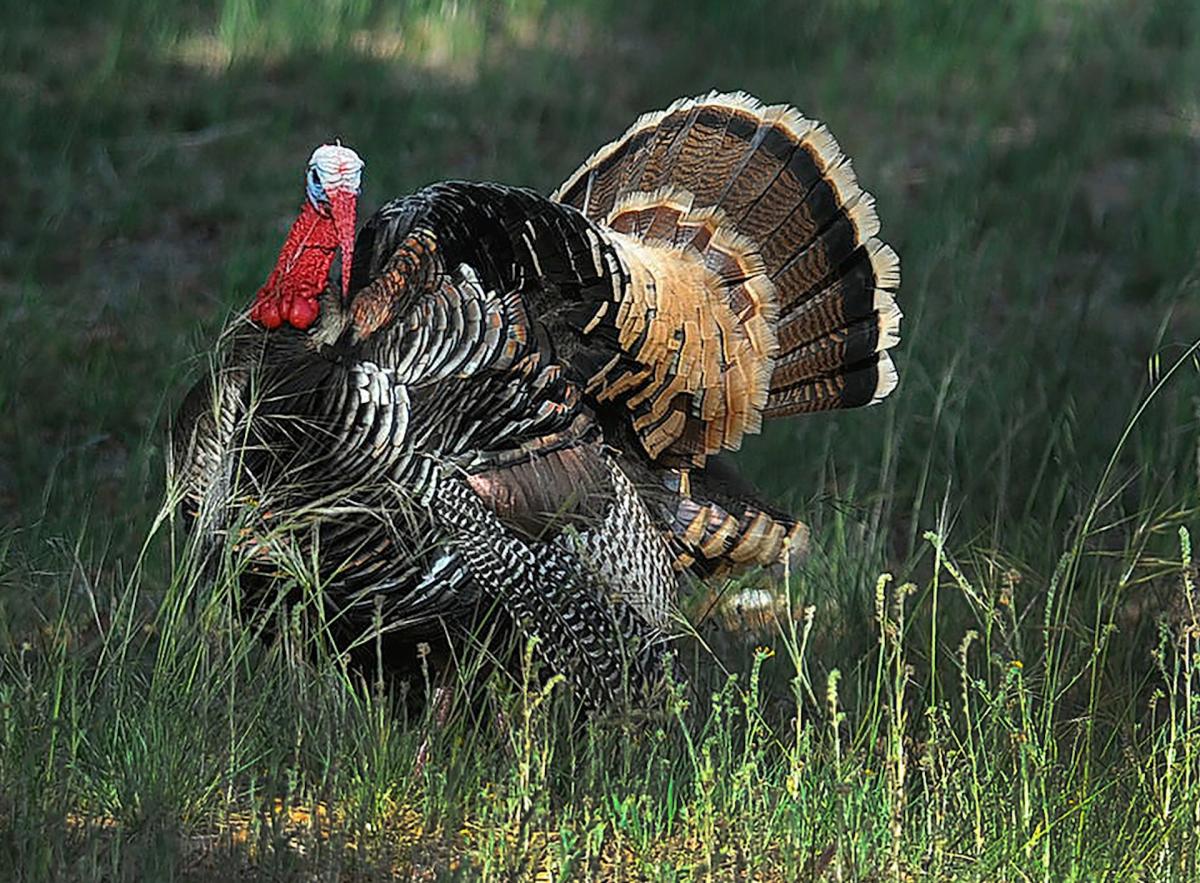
[748, 243]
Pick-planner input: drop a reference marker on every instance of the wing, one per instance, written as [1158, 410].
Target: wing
[558, 287]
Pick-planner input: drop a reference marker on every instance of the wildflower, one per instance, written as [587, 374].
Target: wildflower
[793, 783]
[1017, 665]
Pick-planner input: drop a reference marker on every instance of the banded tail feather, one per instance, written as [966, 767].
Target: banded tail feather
[757, 285]
[715, 542]
[718, 526]
[488, 411]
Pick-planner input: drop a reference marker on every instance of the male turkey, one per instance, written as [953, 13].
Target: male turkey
[511, 402]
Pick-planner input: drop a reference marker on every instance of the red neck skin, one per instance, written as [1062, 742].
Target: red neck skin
[291, 291]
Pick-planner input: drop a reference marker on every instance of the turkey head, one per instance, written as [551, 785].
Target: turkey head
[325, 224]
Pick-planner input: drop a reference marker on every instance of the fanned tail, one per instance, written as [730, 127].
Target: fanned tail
[756, 287]
[778, 299]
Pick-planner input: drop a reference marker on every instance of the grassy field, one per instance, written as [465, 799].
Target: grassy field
[986, 670]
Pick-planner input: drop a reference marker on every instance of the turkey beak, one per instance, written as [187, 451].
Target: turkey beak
[343, 205]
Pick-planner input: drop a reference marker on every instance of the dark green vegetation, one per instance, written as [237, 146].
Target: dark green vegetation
[1019, 702]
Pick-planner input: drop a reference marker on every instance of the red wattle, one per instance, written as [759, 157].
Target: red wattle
[266, 311]
[292, 291]
[302, 312]
[343, 205]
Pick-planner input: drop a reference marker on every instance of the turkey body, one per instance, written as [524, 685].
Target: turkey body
[514, 410]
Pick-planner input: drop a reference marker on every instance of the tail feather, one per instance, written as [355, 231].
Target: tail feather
[652, 169]
[851, 296]
[719, 538]
[771, 149]
[865, 383]
[810, 263]
[796, 305]
[845, 346]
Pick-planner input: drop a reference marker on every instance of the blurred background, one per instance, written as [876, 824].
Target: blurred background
[1035, 165]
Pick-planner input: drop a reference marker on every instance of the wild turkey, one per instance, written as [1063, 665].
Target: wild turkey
[513, 402]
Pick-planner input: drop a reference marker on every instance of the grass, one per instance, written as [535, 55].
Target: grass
[1015, 698]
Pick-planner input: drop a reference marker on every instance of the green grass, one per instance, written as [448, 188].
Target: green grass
[1019, 700]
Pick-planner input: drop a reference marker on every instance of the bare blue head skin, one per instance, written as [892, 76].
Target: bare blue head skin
[332, 169]
[291, 293]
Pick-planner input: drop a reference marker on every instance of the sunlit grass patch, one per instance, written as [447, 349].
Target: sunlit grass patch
[998, 757]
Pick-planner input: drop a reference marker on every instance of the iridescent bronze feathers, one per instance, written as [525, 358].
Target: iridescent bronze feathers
[749, 238]
[757, 289]
[520, 404]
